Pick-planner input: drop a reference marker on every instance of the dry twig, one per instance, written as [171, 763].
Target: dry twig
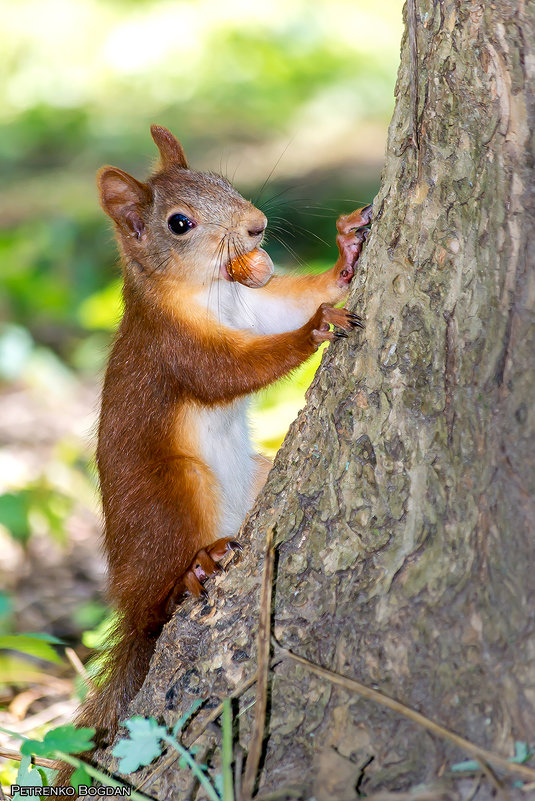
[79, 667]
[264, 645]
[41, 761]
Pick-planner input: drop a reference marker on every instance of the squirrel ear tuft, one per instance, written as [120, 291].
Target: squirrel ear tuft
[171, 151]
[124, 199]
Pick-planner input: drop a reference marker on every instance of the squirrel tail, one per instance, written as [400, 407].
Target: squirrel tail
[121, 676]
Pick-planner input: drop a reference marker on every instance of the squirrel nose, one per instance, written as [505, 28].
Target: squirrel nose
[256, 230]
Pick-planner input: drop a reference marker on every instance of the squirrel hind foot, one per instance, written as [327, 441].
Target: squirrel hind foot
[201, 567]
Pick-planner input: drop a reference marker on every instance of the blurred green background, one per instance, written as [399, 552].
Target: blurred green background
[290, 99]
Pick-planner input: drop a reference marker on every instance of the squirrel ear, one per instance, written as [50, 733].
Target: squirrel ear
[171, 151]
[124, 199]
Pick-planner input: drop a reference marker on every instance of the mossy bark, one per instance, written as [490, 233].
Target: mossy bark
[403, 494]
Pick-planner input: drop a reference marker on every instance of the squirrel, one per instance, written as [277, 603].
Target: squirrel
[205, 324]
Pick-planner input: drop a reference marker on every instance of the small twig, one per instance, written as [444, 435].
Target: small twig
[494, 780]
[475, 789]
[80, 668]
[217, 711]
[413, 71]
[41, 761]
[198, 731]
[201, 728]
[424, 795]
[481, 754]
[227, 752]
[264, 645]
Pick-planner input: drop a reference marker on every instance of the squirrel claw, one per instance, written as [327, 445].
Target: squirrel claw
[340, 334]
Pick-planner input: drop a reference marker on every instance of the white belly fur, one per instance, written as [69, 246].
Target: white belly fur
[225, 447]
[241, 307]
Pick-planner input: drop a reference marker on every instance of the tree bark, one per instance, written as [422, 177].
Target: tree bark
[402, 497]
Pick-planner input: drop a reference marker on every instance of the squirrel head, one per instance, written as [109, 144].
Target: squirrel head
[180, 225]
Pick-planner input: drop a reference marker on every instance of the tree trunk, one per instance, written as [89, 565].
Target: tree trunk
[403, 495]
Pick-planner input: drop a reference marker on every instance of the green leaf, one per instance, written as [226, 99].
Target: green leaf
[142, 746]
[68, 738]
[469, 764]
[227, 751]
[14, 514]
[5, 605]
[80, 776]
[43, 635]
[102, 309]
[14, 670]
[31, 645]
[522, 753]
[47, 775]
[27, 776]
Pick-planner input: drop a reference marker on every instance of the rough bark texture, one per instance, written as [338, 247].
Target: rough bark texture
[403, 495]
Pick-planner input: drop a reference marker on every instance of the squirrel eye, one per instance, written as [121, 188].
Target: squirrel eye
[180, 224]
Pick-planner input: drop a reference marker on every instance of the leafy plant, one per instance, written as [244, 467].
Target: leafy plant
[30, 776]
[38, 645]
[16, 671]
[61, 743]
[147, 740]
[522, 754]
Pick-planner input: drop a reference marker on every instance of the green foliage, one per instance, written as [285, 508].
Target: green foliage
[142, 746]
[522, 754]
[28, 776]
[61, 743]
[99, 637]
[89, 615]
[227, 788]
[102, 309]
[14, 508]
[80, 776]
[40, 500]
[67, 739]
[37, 645]
[468, 765]
[15, 671]
[55, 245]
[146, 741]
[6, 607]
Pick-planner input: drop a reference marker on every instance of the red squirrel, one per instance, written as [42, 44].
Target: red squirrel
[204, 325]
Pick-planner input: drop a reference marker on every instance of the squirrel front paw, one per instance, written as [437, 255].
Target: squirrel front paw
[353, 230]
[327, 315]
